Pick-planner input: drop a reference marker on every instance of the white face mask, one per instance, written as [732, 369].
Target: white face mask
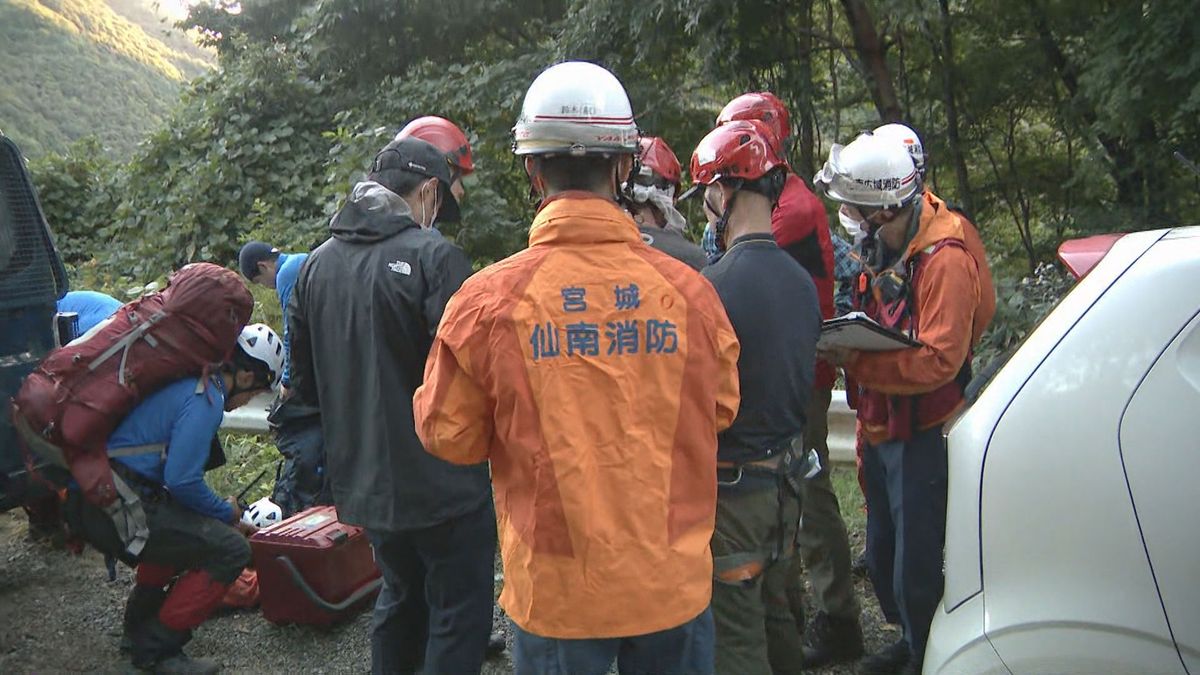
[423, 209]
[664, 201]
[852, 226]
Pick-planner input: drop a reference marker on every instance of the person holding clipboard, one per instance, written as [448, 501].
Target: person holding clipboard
[921, 287]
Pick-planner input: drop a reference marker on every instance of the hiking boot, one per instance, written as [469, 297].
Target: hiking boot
[832, 639]
[143, 605]
[891, 660]
[496, 645]
[182, 664]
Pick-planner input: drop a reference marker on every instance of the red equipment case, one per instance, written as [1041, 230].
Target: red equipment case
[313, 569]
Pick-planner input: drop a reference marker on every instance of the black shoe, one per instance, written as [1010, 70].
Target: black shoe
[154, 647]
[143, 604]
[891, 660]
[496, 645]
[859, 567]
[832, 639]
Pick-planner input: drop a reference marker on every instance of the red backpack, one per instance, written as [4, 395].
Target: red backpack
[78, 395]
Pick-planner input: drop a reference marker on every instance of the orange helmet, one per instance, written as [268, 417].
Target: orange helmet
[445, 136]
[655, 155]
[761, 105]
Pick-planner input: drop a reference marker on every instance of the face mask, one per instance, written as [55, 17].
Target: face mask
[851, 225]
[424, 213]
[663, 201]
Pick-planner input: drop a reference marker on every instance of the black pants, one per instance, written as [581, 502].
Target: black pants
[179, 538]
[300, 483]
[906, 529]
[435, 610]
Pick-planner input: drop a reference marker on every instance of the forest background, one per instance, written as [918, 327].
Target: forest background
[1044, 119]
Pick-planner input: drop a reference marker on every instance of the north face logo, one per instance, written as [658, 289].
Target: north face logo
[400, 267]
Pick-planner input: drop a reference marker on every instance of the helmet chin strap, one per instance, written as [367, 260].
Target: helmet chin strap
[722, 224]
[619, 195]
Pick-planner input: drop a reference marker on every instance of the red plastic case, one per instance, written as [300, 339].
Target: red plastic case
[313, 569]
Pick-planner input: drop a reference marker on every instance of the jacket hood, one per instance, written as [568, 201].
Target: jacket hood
[938, 222]
[372, 213]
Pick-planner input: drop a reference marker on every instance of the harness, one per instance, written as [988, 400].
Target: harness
[904, 414]
[782, 470]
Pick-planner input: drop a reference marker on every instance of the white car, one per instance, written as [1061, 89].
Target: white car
[1073, 520]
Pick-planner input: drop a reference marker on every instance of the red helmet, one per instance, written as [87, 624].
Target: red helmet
[738, 149]
[654, 154]
[761, 105]
[445, 136]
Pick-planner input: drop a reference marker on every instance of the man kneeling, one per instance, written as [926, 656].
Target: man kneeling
[196, 546]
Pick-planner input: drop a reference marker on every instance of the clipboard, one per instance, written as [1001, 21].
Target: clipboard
[858, 331]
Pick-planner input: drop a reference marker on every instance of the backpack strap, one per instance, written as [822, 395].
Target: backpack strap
[128, 517]
[135, 450]
[125, 343]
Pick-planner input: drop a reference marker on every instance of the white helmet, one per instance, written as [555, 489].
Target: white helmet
[261, 343]
[870, 171]
[262, 513]
[909, 139]
[575, 108]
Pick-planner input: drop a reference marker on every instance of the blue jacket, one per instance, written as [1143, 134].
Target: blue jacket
[186, 422]
[91, 306]
[287, 269]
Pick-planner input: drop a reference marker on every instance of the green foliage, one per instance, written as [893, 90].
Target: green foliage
[1021, 304]
[246, 457]
[75, 68]
[1066, 117]
[78, 196]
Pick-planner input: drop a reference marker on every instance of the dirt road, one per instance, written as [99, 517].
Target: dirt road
[59, 613]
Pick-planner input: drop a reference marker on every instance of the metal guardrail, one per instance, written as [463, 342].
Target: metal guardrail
[252, 418]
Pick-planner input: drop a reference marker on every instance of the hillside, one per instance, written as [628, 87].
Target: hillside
[78, 67]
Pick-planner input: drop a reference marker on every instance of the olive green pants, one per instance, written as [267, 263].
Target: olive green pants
[824, 544]
[755, 604]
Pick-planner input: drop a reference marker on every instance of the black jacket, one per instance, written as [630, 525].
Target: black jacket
[362, 318]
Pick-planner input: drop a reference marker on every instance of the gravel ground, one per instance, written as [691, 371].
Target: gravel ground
[59, 613]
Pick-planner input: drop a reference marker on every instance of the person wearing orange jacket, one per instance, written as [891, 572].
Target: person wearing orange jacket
[762, 459]
[923, 277]
[594, 372]
[800, 226]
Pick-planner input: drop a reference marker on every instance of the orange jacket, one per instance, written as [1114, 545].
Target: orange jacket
[955, 303]
[594, 372]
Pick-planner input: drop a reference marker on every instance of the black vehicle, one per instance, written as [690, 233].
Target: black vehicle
[32, 279]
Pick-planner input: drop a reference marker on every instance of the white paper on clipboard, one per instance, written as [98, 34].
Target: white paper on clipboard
[858, 331]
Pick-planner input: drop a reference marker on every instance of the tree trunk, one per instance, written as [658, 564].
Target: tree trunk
[874, 62]
[949, 99]
[804, 78]
[1123, 167]
[833, 77]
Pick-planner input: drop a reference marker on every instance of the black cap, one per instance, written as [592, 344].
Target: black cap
[252, 254]
[422, 158]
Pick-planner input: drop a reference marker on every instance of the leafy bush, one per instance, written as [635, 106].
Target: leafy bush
[246, 457]
[1021, 304]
